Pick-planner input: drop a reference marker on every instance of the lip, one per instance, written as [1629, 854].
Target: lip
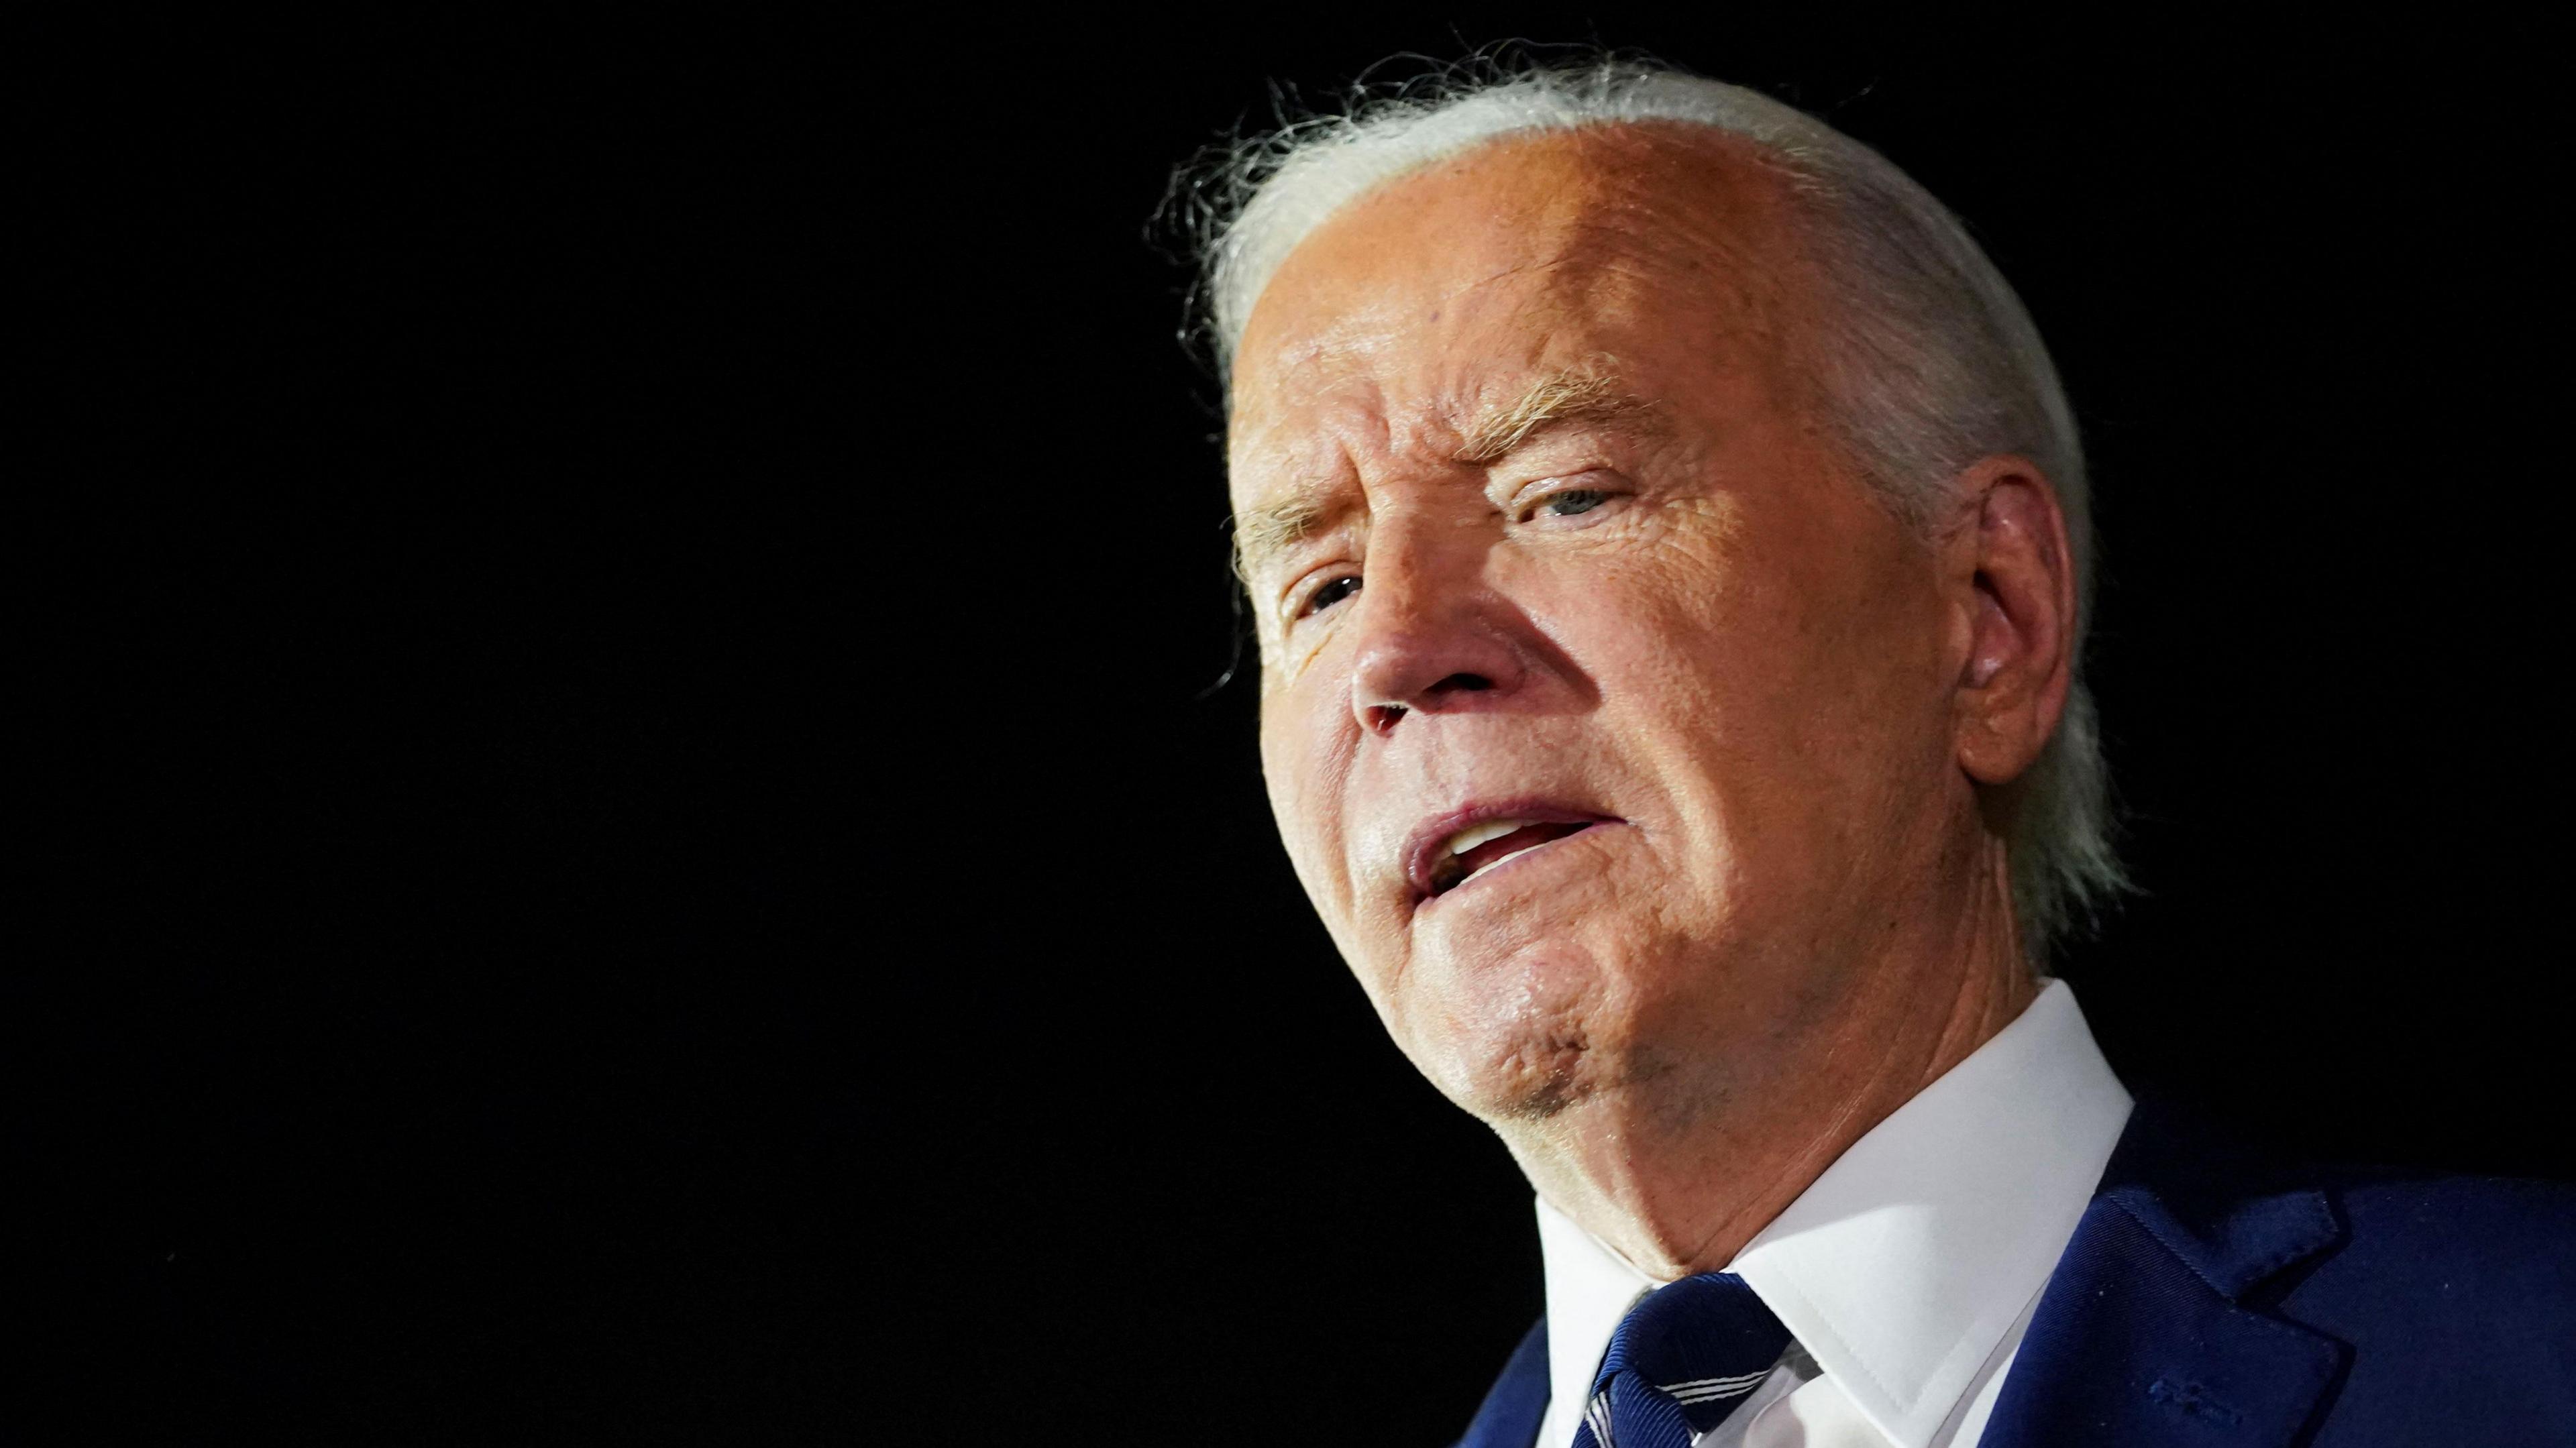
[1422, 853]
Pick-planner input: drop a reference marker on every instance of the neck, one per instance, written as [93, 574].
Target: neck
[1677, 1173]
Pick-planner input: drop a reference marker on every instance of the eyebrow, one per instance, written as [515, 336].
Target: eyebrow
[1284, 524]
[1585, 393]
[1588, 393]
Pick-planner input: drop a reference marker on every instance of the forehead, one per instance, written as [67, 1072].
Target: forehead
[1436, 295]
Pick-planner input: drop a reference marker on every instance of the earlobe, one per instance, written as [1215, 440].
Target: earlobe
[2013, 682]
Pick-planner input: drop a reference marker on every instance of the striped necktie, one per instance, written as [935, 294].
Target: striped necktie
[1679, 1363]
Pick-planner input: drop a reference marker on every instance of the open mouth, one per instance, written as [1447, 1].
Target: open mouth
[1478, 848]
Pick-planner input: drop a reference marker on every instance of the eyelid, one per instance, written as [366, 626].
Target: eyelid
[1581, 480]
[1302, 590]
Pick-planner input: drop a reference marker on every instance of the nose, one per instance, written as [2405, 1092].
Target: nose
[1434, 639]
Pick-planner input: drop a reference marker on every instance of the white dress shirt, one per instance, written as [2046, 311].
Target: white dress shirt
[1907, 1273]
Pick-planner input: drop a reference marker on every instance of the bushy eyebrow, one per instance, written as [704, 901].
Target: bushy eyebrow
[1586, 393]
[1589, 393]
[1282, 525]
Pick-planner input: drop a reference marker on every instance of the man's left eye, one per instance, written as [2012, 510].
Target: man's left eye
[1568, 503]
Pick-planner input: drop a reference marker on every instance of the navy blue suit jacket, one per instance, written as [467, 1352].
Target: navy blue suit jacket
[2208, 1299]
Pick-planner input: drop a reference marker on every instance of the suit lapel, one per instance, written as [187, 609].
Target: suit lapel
[2142, 1336]
[1517, 1402]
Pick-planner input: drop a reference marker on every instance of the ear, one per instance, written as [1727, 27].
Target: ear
[2012, 578]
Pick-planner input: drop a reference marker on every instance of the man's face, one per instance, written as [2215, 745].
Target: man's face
[1546, 543]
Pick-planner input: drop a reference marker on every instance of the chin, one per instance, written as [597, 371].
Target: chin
[1530, 1077]
[1522, 1044]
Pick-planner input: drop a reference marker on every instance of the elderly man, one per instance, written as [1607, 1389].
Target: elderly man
[1667, 542]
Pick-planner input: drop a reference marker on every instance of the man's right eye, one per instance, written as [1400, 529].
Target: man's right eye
[1333, 592]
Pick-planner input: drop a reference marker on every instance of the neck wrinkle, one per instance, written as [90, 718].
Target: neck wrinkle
[1993, 985]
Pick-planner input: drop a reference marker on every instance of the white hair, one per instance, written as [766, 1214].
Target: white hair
[1928, 361]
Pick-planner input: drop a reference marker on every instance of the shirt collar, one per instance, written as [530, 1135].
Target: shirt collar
[1902, 1268]
[1589, 1288]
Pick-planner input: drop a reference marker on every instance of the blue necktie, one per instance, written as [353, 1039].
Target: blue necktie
[1679, 1363]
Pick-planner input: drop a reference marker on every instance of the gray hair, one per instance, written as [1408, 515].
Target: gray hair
[1928, 361]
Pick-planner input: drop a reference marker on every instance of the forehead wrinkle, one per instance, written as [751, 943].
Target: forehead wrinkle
[1604, 252]
[1322, 458]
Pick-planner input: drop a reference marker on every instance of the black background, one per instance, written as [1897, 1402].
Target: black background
[653, 856]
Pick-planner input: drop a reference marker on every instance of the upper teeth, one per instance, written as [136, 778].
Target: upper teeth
[1474, 835]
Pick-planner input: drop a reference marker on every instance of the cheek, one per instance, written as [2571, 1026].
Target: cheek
[1761, 704]
[1677, 653]
[1303, 764]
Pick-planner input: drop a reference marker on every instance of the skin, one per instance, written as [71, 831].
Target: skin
[1680, 609]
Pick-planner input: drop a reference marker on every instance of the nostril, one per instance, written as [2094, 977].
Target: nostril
[1381, 718]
